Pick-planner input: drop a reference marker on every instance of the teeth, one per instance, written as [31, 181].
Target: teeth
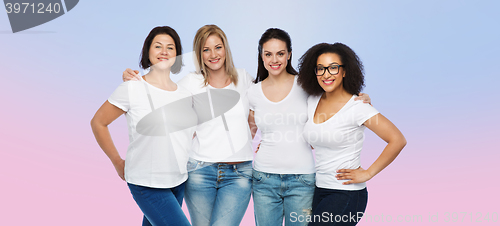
[275, 67]
[328, 82]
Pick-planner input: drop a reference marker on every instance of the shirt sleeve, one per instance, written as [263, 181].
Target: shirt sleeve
[364, 112]
[120, 97]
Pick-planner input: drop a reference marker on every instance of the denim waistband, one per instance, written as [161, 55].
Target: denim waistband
[194, 164]
[283, 175]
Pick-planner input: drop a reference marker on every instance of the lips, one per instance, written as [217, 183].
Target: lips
[214, 61]
[162, 59]
[328, 82]
[275, 67]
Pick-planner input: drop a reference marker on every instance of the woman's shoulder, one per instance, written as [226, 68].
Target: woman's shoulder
[132, 84]
[192, 81]
[360, 106]
[254, 88]
[193, 75]
[243, 74]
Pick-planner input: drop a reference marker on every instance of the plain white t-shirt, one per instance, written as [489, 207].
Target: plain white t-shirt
[283, 149]
[155, 159]
[220, 139]
[338, 141]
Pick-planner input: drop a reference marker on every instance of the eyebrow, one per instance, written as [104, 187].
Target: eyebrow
[330, 64]
[265, 51]
[220, 44]
[162, 44]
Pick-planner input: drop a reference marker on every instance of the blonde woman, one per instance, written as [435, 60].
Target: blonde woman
[218, 189]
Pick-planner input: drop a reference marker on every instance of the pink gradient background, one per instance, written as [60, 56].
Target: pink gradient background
[430, 69]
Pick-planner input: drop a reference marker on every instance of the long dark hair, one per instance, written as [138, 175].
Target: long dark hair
[274, 33]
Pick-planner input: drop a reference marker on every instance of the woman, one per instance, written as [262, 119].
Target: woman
[283, 175]
[332, 74]
[155, 166]
[218, 190]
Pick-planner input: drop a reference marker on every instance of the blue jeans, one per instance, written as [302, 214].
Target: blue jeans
[342, 207]
[161, 206]
[219, 194]
[275, 195]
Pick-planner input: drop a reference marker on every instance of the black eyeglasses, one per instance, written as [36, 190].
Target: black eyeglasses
[333, 69]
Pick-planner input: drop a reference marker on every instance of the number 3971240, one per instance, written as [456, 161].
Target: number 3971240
[33, 8]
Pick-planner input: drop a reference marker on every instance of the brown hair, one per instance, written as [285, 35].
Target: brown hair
[144, 58]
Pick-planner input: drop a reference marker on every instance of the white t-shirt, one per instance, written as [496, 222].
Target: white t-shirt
[153, 158]
[283, 149]
[338, 141]
[223, 134]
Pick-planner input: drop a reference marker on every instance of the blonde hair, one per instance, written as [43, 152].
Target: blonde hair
[198, 43]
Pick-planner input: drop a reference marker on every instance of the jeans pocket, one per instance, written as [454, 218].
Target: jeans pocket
[308, 179]
[258, 177]
[245, 171]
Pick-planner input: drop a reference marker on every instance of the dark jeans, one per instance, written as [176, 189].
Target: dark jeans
[161, 206]
[338, 207]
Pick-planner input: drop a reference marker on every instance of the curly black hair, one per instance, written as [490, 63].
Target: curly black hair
[273, 33]
[144, 61]
[353, 81]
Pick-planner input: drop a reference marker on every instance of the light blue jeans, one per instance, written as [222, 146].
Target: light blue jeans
[278, 195]
[219, 194]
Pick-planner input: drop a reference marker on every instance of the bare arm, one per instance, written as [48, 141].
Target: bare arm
[384, 128]
[130, 74]
[251, 123]
[106, 114]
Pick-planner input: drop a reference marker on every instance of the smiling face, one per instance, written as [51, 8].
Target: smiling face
[162, 50]
[330, 82]
[214, 53]
[275, 56]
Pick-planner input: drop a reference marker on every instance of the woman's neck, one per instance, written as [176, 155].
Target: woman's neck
[219, 78]
[282, 78]
[160, 79]
[337, 95]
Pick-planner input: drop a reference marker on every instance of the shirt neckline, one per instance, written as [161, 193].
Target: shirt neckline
[154, 87]
[341, 109]
[282, 100]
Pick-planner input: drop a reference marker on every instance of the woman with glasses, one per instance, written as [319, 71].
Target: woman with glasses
[283, 175]
[332, 75]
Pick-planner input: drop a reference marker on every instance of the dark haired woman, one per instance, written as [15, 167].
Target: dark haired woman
[333, 74]
[283, 175]
[155, 166]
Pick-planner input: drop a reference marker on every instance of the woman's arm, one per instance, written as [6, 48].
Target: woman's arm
[251, 123]
[102, 118]
[384, 128]
[130, 74]
[253, 127]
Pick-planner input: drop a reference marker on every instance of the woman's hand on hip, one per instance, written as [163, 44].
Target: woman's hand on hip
[353, 176]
